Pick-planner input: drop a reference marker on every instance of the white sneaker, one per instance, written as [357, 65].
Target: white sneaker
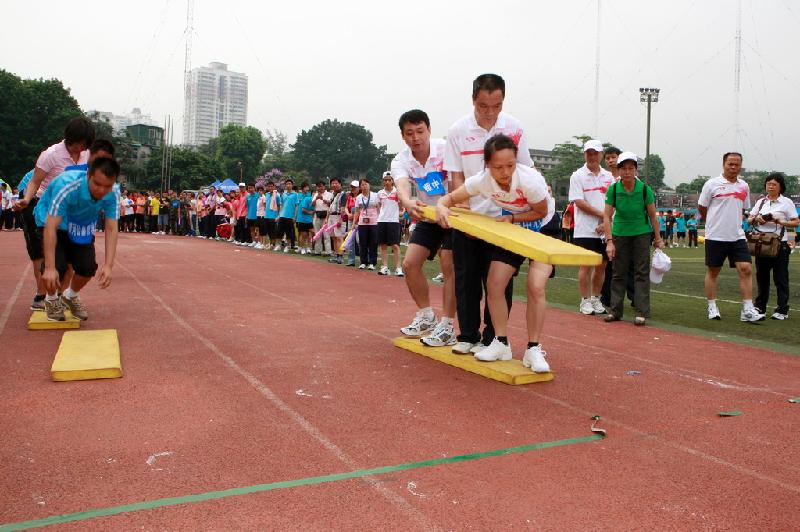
[477, 348]
[497, 350]
[534, 359]
[751, 314]
[362, 266]
[463, 348]
[713, 313]
[286, 249]
[419, 326]
[438, 279]
[258, 246]
[276, 249]
[371, 267]
[399, 272]
[779, 316]
[597, 306]
[303, 251]
[383, 271]
[441, 336]
[586, 307]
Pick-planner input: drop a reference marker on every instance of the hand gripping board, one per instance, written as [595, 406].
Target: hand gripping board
[85, 355]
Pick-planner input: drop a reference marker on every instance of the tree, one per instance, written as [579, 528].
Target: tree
[339, 149]
[245, 146]
[33, 113]
[278, 155]
[191, 169]
[692, 187]
[656, 178]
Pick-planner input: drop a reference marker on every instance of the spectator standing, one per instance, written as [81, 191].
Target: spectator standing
[273, 205]
[337, 207]
[691, 226]
[680, 229]
[138, 213]
[288, 212]
[367, 207]
[389, 226]
[305, 218]
[321, 201]
[349, 212]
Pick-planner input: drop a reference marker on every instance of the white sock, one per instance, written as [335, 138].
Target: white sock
[747, 303]
[51, 297]
[712, 303]
[426, 312]
[69, 293]
[446, 321]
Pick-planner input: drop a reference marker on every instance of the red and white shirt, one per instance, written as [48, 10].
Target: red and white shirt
[53, 160]
[584, 185]
[527, 187]
[464, 153]
[725, 201]
[405, 166]
[390, 208]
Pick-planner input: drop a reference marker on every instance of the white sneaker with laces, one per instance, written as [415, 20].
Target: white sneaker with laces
[383, 271]
[399, 272]
[258, 246]
[371, 267]
[462, 348]
[751, 314]
[713, 313]
[286, 249]
[420, 325]
[597, 306]
[586, 307]
[497, 350]
[438, 279]
[534, 359]
[362, 266]
[779, 316]
[441, 336]
[477, 348]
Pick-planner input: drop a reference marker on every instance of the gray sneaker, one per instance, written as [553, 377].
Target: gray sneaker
[37, 305]
[75, 306]
[54, 310]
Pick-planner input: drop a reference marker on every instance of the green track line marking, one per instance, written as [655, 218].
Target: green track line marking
[309, 481]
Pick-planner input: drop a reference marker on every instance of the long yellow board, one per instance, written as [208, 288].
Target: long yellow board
[85, 355]
[519, 240]
[507, 371]
[39, 322]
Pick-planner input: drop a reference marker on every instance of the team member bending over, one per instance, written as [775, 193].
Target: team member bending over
[521, 193]
[423, 161]
[78, 202]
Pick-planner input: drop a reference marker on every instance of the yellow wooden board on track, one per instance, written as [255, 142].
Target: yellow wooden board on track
[507, 371]
[39, 322]
[85, 355]
[519, 240]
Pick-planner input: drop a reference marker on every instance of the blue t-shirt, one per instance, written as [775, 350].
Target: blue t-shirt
[252, 206]
[662, 223]
[69, 198]
[269, 214]
[691, 223]
[24, 183]
[288, 204]
[680, 221]
[305, 203]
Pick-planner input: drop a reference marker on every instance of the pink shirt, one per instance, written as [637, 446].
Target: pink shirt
[240, 206]
[261, 207]
[53, 160]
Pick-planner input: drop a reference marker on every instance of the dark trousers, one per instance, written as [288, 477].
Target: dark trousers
[692, 237]
[368, 244]
[779, 267]
[286, 229]
[471, 259]
[632, 258]
[242, 235]
[139, 219]
[605, 291]
[566, 235]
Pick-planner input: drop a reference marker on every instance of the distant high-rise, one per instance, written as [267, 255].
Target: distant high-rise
[215, 97]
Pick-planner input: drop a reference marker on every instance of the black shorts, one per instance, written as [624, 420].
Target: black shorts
[33, 240]
[80, 256]
[304, 226]
[432, 236]
[498, 254]
[271, 228]
[592, 244]
[389, 233]
[717, 251]
[681, 234]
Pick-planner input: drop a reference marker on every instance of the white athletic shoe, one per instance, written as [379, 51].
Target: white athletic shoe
[438, 279]
[371, 267]
[534, 359]
[399, 272]
[713, 313]
[477, 348]
[258, 245]
[586, 307]
[779, 316]
[303, 251]
[362, 266]
[383, 271]
[441, 336]
[597, 306]
[497, 350]
[751, 314]
[419, 326]
[463, 348]
[286, 249]
[276, 249]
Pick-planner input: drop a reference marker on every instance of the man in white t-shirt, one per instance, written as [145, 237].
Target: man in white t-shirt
[721, 203]
[389, 226]
[464, 158]
[587, 189]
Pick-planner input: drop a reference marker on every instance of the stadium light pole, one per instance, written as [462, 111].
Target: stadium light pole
[648, 96]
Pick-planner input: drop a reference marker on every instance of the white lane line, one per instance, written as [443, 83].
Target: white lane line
[13, 298]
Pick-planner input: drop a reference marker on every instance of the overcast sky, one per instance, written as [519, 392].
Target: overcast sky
[367, 62]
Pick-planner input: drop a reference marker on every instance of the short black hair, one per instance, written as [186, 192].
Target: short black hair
[102, 145]
[321, 183]
[336, 179]
[260, 187]
[79, 129]
[107, 165]
[612, 149]
[414, 116]
[776, 176]
[488, 83]
[288, 181]
[725, 157]
[497, 143]
[304, 184]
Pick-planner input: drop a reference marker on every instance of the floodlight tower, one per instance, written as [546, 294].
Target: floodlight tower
[648, 96]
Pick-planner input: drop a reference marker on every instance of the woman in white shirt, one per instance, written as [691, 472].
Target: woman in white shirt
[366, 210]
[521, 193]
[773, 214]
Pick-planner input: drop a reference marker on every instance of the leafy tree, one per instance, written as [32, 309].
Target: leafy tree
[339, 149]
[191, 169]
[278, 155]
[692, 187]
[33, 113]
[240, 145]
[656, 178]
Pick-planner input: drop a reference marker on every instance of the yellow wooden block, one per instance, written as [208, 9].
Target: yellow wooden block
[85, 355]
[39, 322]
[519, 240]
[507, 371]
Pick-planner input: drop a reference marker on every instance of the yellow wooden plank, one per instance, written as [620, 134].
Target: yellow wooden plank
[85, 355]
[507, 371]
[518, 240]
[39, 322]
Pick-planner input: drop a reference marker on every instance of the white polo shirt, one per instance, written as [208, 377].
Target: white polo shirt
[527, 187]
[405, 166]
[584, 185]
[465, 142]
[725, 201]
[782, 208]
[390, 208]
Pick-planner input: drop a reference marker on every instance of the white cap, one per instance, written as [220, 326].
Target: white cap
[354, 183]
[627, 156]
[660, 265]
[593, 144]
[242, 185]
[387, 174]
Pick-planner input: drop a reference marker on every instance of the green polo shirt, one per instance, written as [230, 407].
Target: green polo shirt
[630, 215]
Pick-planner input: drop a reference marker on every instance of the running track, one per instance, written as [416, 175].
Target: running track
[245, 368]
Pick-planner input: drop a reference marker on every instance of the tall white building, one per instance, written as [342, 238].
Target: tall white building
[215, 98]
[120, 122]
